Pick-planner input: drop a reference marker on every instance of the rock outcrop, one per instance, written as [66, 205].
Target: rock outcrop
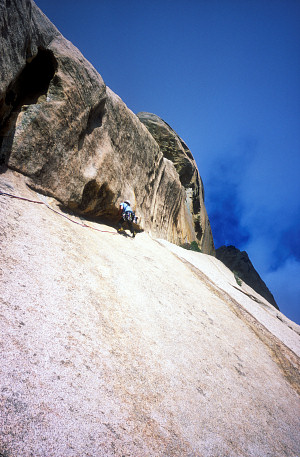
[175, 149]
[77, 141]
[239, 262]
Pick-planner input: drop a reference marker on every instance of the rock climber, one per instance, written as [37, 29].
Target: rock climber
[127, 215]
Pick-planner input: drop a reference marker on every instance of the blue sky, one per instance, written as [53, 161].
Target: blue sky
[225, 75]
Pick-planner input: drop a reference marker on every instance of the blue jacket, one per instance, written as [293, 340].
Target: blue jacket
[126, 207]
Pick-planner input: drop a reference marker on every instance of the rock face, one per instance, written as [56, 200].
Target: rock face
[110, 351]
[76, 140]
[239, 262]
[174, 149]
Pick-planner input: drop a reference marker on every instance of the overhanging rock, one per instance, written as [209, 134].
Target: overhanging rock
[76, 140]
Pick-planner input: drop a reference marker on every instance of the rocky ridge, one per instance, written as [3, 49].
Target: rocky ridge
[239, 262]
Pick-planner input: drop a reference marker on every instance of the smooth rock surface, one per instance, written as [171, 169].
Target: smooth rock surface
[117, 347]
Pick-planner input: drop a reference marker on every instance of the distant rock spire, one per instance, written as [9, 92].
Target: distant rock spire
[239, 262]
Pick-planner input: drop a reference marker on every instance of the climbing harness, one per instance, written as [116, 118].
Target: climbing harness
[55, 211]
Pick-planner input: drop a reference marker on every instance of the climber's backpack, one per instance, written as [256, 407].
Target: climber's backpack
[129, 216]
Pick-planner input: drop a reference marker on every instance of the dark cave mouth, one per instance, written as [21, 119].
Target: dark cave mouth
[34, 80]
[32, 83]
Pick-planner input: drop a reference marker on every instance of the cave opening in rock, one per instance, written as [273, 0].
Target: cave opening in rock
[34, 80]
[28, 88]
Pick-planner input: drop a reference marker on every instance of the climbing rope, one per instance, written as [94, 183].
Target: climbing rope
[55, 211]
